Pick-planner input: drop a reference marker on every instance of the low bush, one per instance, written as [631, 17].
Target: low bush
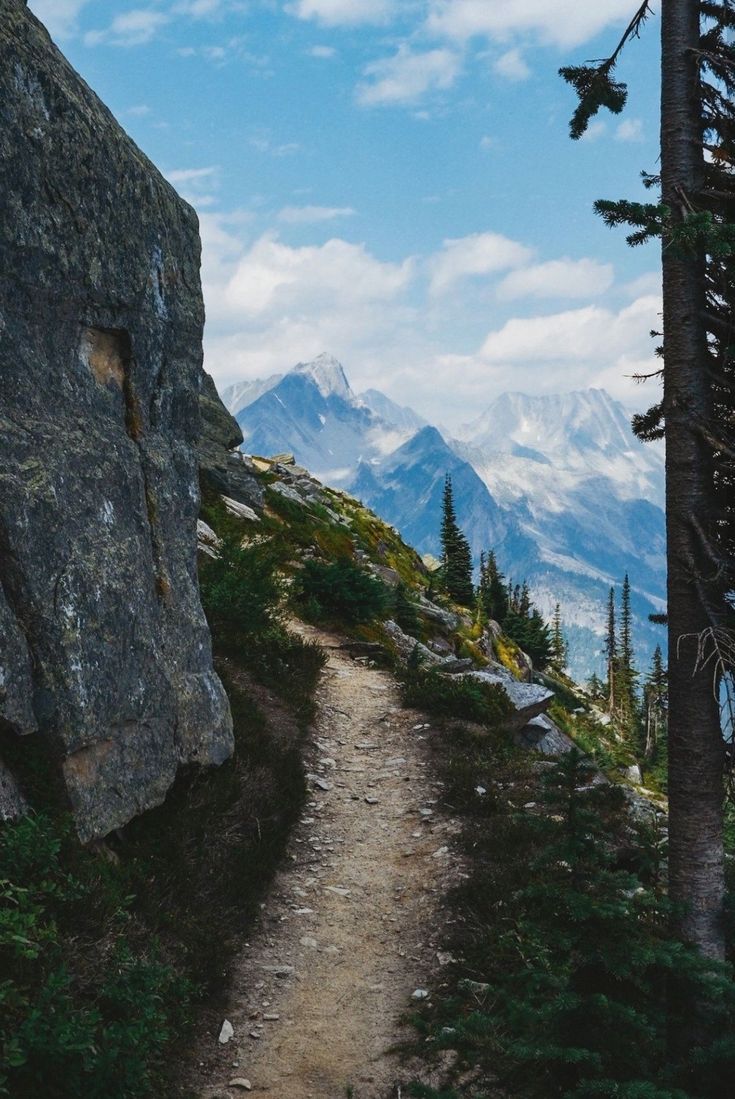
[454, 697]
[241, 590]
[87, 1006]
[339, 591]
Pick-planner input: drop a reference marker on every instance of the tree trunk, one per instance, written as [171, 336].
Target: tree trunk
[650, 731]
[696, 861]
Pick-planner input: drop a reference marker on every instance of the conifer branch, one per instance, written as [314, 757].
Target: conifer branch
[593, 82]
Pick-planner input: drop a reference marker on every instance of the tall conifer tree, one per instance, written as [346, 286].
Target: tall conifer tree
[559, 647]
[493, 592]
[627, 673]
[695, 220]
[654, 702]
[456, 553]
[611, 652]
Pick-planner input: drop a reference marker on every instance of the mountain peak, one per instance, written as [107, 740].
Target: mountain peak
[328, 375]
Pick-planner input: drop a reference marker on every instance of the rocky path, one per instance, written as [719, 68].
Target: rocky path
[350, 931]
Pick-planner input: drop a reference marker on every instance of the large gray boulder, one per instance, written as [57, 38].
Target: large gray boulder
[104, 649]
[528, 699]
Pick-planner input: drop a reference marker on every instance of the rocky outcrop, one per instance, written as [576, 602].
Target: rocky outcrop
[408, 647]
[223, 469]
[104, 649]
[543, 735]
[528, 699]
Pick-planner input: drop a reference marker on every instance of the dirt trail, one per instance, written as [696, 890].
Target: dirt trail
[350, 929]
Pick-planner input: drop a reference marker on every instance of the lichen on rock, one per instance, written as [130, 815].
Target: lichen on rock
[104, 648]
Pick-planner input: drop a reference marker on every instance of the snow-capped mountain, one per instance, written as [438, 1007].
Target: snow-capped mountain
[582, 433]
[406, 489]
[400, 416]
[313, 412]
[558, 486]
[241, 394]
[578, 481]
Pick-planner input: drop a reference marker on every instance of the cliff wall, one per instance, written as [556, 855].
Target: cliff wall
[104, 649]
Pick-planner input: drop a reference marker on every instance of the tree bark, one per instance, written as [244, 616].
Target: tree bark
[696, 860]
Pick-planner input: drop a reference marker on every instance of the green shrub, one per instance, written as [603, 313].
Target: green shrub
[241, 589]
[405, 611]
[454, 697]
[77, 1017]
[339, 591]
[575, 984]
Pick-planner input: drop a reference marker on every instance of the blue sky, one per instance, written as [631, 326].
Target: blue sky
[392, 181]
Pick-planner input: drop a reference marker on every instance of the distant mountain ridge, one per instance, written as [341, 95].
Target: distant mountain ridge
[557, 485]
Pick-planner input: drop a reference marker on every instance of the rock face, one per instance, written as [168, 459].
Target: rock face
[222, 469]
[104, 649]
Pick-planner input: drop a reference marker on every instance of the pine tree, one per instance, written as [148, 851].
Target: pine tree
[627, 673]
[695, 221]
[456, 553]
[559, 647]
[493, 594]
[595, 686]
[525, 625]
[611, 652]
[654, 703]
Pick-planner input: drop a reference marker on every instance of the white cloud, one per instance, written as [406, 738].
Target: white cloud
[560, 278]
[132, 28]
[577, 335]
[643, 285]
[407, 76]
[340, 13]
[564, 23]
[198, 9]
[630, 129]
[305, 215]
[264, 143]
[595, 130]
[273, 276]
[512, 66]
[269, 305]
[573, 350]
[478, 254]
[324, 53]
[58, 16]
[197, 185]
[235, 48]
[189, 175]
